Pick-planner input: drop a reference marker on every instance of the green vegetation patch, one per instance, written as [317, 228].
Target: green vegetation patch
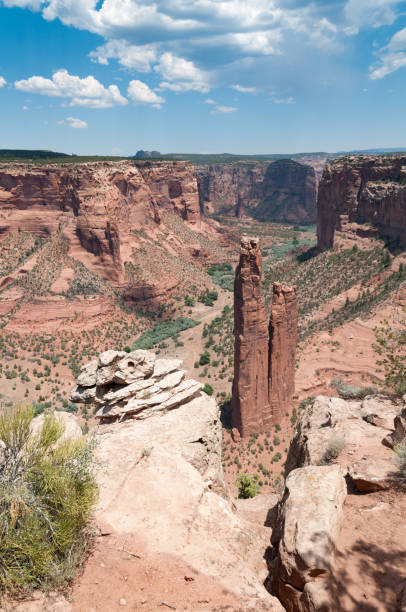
[47, 493]
[223, 275]
[163, 330]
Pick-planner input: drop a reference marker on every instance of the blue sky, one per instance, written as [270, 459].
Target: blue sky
[239, 76]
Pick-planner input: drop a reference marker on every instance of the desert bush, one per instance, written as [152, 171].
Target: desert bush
[208, 389]
[47, 493]
[400, 457]
[247, 485]
[391, 346]
[333, 449]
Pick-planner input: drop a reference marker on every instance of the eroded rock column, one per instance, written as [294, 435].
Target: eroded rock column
[250, 386]
[282, 351]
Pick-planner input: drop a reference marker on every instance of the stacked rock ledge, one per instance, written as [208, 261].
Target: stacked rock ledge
[133, 384]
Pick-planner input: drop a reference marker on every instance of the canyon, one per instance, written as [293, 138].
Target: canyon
[362, 196]
[284, 190]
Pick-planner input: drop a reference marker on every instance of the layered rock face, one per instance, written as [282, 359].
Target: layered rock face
[365, 194]
[97, 205]
[250, 405]
[264, 360]
[284, 190]
[282, 349]
[162, 480]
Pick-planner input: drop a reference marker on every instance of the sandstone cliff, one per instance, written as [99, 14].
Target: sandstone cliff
[365, 195]
[97, 206]
[284, 190]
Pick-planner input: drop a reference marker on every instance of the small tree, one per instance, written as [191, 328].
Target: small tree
[247, 485]
[391, 345]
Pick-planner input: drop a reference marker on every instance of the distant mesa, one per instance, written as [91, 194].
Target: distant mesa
[141, 154]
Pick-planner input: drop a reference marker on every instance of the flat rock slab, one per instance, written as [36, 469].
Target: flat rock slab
[372, 473]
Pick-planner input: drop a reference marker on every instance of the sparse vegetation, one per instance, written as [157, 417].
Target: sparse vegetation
[247, 485]
[332, 451]
[391, 346]
[47, 492]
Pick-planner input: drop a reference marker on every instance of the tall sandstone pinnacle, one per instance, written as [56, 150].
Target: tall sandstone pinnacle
[264, 359]
[282, 349]
[250, 386]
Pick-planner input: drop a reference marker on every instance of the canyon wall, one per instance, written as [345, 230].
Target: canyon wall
[97, 206]
[284, 190]
[364, 194]
[264, 361]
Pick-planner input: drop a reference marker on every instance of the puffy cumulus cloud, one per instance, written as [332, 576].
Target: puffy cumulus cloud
[140, 93]
[34, 5]
[137, 57]
[2, 81]
[74, 123]
[181, 75]
[82, 92]
[391, 57]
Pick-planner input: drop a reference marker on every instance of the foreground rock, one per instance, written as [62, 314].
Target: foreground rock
[133, 385]
[162, 479]
[308, 523]
[323, 556]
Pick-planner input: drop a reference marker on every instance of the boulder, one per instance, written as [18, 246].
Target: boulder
[83, 395]
[87, 376]
[397, 436]
[136, 365]
[372, 473]
[309, 518]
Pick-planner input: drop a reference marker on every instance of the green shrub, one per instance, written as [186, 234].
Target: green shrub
[208, 389]
[204, 358]
[247, 485]
[333, 449]
[163, 330]
[47, 493]
[400, 457]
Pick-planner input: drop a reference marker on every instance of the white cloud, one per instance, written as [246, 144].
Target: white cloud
[369, 13]
[34, 5]
[224, 109]
[82, 92]
[210, 101]
[140, 93]
[74, 123]
[391, 57]
[181, 75]
[289, 100]
[263, 43]
[2, 81]
[242, 89]
[136, 57]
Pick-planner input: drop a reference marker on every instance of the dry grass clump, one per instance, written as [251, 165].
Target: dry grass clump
[47, 493]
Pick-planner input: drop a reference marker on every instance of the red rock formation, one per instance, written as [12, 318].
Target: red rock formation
[98, 205]
[250, 386]
[264, 364]
[362, 191]
[282, 349]
[284, 190]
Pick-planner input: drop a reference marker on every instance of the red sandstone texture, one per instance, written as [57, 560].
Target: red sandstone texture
[96, 205]
[368, 192]
[264, 363]
[282, 349]
[250, 386]
[284, 190]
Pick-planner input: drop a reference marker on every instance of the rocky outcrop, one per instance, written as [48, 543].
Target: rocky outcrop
[250, 405]
[362, 195]
[282, 349]
[284, 190]
[338, 450]
[135, 385]
[308, 523]
[96, 205]
[264, 360]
